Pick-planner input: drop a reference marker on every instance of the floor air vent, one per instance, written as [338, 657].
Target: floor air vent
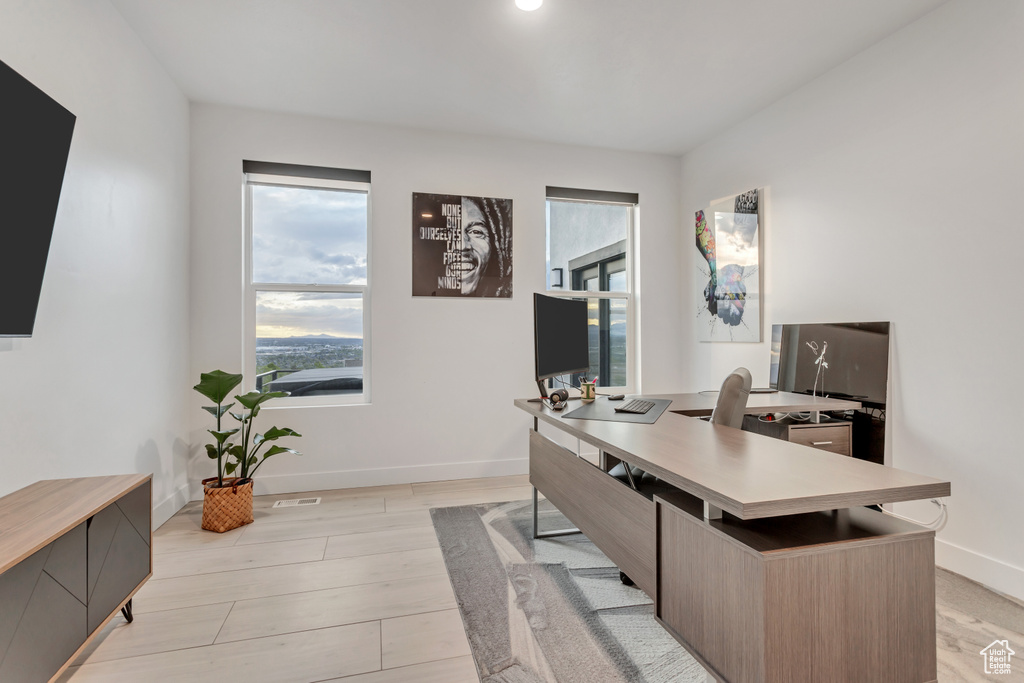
[295, 502]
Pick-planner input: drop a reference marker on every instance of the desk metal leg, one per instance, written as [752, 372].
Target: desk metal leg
[629, 474]
[548, 534]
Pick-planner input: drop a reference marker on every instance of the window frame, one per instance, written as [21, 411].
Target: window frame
[632, 385]
[251, 289]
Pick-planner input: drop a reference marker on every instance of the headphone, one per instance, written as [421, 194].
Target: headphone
[558, 398]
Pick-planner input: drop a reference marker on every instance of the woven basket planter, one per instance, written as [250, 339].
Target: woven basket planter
[228, 507]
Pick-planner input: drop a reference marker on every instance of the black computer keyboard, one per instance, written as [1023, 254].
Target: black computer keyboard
[637, 405]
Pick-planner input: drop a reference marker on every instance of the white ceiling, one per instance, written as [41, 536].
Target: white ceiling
[646, 75]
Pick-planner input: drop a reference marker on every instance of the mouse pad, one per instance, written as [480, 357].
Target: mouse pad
[603, 409]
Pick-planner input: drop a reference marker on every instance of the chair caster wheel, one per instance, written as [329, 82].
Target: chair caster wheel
[625, 579]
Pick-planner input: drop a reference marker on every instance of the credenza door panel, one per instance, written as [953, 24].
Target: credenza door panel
[118, 556]
[42, 622]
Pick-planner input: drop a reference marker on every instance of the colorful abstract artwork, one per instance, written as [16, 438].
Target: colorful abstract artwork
[729, 270]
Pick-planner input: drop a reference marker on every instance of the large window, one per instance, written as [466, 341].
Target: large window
[589, 256]
[308, 282]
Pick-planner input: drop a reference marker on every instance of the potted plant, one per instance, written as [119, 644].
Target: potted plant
[247, 452]
[227, 501]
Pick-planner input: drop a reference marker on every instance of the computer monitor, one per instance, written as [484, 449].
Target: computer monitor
[856, 354]
[773, 365]
[561, 344]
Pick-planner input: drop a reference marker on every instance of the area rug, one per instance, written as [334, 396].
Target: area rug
[553, 609]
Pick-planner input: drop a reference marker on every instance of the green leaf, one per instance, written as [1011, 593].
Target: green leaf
[241, 417]
[223, 435]
[275, 433]
[211, 451]
[217, 385]
[274, 450]
[255, 398]
[230, 467]
[218, 411]
[236, 451]
[252, 460]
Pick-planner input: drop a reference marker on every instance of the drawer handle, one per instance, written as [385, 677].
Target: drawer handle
[821, 443]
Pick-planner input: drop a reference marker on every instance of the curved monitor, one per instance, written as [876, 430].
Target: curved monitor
[561, 344]
[854, 361]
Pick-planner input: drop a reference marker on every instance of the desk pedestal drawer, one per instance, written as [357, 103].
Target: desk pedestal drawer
[756, 604]
[835, 436]
[616, 518]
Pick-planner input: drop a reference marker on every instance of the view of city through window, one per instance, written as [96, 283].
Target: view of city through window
[309, 258]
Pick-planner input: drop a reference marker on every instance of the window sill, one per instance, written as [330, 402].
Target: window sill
[324, 401]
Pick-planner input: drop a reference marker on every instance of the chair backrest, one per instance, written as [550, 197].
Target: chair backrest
[732, 399]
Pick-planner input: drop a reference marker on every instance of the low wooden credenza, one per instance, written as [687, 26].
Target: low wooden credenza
[72, 553]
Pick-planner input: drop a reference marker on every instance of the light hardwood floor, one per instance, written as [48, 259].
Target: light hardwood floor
[355, 589]
[352, 589]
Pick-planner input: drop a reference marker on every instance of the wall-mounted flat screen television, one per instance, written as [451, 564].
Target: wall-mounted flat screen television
[35, 138]
[841, 360]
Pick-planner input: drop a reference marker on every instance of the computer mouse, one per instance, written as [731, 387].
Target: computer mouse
[616, 397]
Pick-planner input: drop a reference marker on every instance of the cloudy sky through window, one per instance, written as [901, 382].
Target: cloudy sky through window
[308, 236]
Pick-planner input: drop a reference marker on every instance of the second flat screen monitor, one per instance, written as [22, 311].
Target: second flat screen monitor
[560, 336]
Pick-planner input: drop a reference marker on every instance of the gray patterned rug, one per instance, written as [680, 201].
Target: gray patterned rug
[551, 609]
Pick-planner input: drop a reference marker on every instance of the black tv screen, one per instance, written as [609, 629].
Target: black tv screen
[35, 138]
[561, 344]
[856, 354]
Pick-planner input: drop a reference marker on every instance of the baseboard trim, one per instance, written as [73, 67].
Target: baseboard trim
[166, 508]
[986, 570]
[316, 481]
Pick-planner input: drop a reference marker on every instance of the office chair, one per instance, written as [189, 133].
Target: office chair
[732, 399]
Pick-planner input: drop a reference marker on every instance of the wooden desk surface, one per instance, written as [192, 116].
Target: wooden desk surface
[779, 402]
[748, 475]
[32, 517]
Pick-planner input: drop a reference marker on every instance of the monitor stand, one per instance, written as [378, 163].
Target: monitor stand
[543, 393]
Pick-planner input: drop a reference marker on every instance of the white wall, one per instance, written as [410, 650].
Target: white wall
[445, 371]
[100, 386]
[893, 194]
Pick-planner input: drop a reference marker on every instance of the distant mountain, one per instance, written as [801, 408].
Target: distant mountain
[311, 339]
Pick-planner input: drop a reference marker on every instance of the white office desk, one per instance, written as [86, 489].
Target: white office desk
[805, 583]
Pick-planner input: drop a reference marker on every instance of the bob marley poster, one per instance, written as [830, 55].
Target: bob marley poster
[461, 246]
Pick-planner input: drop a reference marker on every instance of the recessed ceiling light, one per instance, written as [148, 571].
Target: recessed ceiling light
[529, 5]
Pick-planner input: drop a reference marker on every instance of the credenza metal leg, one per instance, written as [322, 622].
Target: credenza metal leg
[127, 612]
[547, 534]
[712, 511]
